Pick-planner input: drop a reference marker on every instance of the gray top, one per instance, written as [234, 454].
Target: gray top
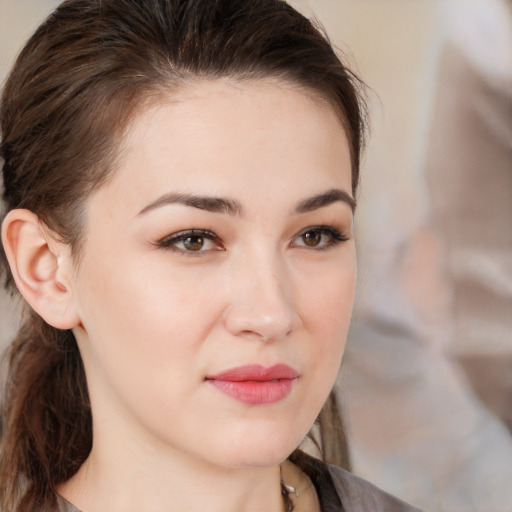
[337, 489]
[358, 495]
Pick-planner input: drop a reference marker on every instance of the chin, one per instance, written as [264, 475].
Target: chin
[256, 460]
[263, 450]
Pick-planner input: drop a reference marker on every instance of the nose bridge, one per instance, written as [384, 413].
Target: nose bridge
[261, 302]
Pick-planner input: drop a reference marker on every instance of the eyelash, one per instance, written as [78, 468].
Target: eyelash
[335, 237]
[170, 241]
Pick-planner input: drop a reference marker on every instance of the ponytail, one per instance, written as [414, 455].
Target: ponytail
[46, 417]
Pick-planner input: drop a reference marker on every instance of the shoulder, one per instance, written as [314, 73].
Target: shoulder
[341, 491]
[359, 495]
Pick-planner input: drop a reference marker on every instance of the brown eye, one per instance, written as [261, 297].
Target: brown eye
[312, 238]
[193, 243]
[318, 238]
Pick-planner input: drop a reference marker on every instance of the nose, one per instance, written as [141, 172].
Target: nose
[262, 298]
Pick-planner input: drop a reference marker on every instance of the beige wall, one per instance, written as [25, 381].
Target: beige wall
[18, 19]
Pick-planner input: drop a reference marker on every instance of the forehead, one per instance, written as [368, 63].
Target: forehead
[234, 138]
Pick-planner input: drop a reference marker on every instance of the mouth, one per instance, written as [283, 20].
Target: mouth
[256, 384]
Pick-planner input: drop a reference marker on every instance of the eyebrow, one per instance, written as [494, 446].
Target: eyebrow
[210, 204]
[234, 207]
[325, 199]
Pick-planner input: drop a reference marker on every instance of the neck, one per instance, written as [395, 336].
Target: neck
[127, 479]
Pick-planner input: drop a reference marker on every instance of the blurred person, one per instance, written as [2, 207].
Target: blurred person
[436, 280]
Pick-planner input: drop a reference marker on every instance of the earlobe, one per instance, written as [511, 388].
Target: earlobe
[40, 268]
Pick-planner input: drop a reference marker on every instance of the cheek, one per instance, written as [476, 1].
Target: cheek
[330, 300]
[329, 309]
[326, 311]
[142, 347]
[145, 319]
[144, 296]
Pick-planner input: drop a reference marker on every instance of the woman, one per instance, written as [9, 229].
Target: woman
[179, 182]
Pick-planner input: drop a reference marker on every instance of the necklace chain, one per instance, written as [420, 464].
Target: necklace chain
[285, 492]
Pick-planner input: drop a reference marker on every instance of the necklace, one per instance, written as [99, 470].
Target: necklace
[286, 490]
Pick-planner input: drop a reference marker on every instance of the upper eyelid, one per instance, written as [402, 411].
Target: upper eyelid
[169, 242]
[320, 227]
[206, 233]
[323, 228]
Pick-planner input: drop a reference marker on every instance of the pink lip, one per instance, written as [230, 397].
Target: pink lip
[255, 384]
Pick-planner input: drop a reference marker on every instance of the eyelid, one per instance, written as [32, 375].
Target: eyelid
[336, 237]
[170, 241]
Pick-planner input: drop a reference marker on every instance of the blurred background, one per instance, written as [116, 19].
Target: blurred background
[426, 383]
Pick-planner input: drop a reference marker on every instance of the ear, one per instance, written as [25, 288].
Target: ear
[41, 267]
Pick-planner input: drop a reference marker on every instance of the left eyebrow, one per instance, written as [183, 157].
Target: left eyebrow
[325, 199]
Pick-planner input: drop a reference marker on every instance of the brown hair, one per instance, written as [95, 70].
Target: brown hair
[72, 92]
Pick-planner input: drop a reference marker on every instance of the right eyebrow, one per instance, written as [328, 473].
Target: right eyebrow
[208, 203]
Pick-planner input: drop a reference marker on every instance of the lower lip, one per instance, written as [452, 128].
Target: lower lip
[255, 392]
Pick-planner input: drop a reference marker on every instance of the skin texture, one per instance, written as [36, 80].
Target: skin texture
[153, 322]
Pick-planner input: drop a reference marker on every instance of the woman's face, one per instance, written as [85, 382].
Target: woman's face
[217, 277]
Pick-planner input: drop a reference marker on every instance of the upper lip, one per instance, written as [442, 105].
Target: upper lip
[257, 373]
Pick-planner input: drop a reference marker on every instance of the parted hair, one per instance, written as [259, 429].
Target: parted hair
[75, 87]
